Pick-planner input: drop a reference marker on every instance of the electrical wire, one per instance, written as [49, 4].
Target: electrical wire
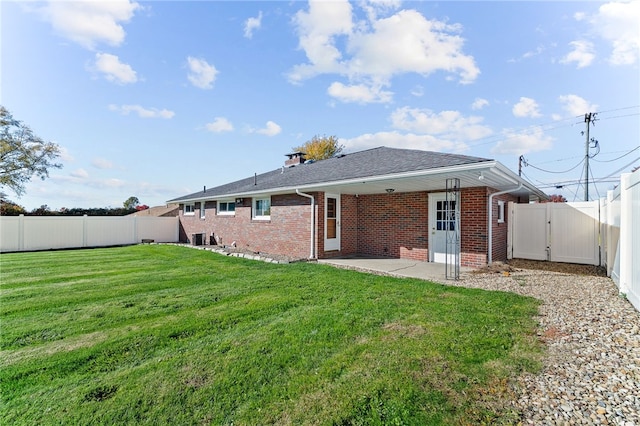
[615, 159]
[617, 109]
[550, 171]
[594, 183]
[622, 168]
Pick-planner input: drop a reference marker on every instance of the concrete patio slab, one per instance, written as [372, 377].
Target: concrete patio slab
[396, 267]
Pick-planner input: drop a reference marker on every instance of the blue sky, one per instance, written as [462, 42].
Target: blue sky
[158, 99]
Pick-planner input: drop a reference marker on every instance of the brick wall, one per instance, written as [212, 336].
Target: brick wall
[287, 232]
[499, 240]
[393, 225]
[473, 227]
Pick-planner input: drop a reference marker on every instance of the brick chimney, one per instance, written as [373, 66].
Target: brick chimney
[294, 159]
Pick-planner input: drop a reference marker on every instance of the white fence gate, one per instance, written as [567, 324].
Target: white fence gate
[559, 232]
[26, 233]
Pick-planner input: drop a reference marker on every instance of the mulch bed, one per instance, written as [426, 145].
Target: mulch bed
[515, 265]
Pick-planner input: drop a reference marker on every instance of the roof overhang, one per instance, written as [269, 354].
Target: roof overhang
[491, 174]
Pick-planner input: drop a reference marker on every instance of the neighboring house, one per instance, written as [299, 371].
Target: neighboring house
[170, 210]
[378, 202]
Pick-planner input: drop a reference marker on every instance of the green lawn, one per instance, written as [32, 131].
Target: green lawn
[158, 334]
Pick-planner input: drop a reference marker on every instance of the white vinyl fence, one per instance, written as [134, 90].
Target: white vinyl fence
[559, 232]
[604, 233]
[27, 233]
[620, 231]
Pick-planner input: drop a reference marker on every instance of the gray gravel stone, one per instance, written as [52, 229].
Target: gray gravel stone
[591, 374]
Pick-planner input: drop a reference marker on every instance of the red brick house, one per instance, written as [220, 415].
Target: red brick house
[378, 202]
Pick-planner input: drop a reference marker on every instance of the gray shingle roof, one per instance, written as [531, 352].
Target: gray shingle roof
[380, 161]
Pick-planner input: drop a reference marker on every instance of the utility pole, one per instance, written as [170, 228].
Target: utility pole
[588, 118]
[520, 160]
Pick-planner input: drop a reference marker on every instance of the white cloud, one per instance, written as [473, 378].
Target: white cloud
[575, 105]
[582, 54]
[378, 49]
[271, 129]
[417, 91]
[526, 107]
[479, 103]
[201, 73]
[617, 22]
[451, 125]
[114, 70]
[252, 24]
[90, 22]
[65, 155]
[523, 142]
[102, 163]
[426, 130]
[80, 174]
[529, 54]
[359, 93]
[579, 16]
[219, 124]
[143, 112]
[399, 140]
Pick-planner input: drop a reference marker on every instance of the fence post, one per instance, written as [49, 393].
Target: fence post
[21, 232]
[85, 227]
[626, 248]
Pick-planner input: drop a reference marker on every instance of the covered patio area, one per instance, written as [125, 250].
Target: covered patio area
[408, 268]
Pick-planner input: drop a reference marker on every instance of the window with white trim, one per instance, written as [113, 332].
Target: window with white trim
[261, 208]
[202, 210]
[226, 207]
[189, 210]
[500, 211]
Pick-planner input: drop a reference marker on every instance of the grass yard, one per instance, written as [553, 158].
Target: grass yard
[153, 334]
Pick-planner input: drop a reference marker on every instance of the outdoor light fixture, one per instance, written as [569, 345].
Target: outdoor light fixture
[239, 200]
[389, 190]
[481, 177]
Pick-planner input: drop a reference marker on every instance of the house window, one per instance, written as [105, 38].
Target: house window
[188, 210]
[202, 210]
[262, 208]
[226, 207]
[446, 216]
[500, 211]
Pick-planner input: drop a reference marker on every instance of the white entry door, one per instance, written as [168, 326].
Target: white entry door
[332, 222]
[441, 219]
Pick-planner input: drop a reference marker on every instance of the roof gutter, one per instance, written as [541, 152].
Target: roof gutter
[490, 220]
[313, 223]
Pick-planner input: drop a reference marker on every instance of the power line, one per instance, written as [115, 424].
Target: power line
[551, 171]
[617, 109]
[615, 159]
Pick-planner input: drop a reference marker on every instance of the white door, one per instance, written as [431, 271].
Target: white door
[331, 222]
[439, 222]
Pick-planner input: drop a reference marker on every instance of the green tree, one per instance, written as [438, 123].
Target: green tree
[9, 208]
[131, 203]
[23, 154]
[320, 148]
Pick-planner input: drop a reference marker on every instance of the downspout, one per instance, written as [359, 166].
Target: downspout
[490, 220]
[313, 222]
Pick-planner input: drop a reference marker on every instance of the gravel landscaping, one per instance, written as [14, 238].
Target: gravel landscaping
[591, 372]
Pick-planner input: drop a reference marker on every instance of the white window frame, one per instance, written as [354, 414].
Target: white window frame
[221, 212]
[189, 209]
[254, 208]
[202, 210]
[500, 211]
